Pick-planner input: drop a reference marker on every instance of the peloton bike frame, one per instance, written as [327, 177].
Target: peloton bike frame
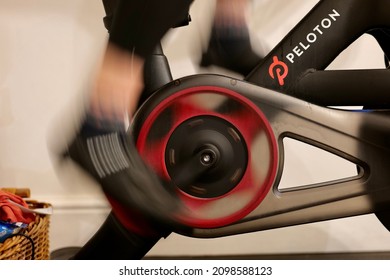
[296, 97]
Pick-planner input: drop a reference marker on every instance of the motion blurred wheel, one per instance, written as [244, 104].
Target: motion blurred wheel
[215, 146]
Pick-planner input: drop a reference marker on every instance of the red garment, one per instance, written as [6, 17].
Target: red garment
[12, 213]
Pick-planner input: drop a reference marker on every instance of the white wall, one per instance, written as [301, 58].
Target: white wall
[48, 52]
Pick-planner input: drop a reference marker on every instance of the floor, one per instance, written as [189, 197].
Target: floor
[311, 256]
[66, 253]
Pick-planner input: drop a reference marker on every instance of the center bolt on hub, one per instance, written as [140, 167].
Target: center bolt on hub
[207, 158]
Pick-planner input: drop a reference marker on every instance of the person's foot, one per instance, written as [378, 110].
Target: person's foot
[231, 50]
[111, 158]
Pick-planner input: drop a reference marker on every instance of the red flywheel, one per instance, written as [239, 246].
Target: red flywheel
[216, 147]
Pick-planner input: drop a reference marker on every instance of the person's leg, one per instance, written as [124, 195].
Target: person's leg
[135, 28]
[230, 14]
[102, 147]
[116, 88]
[229, 45]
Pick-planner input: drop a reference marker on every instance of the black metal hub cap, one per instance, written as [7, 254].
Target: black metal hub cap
[206, 156]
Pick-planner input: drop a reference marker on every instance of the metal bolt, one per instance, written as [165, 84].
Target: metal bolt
[206, 158]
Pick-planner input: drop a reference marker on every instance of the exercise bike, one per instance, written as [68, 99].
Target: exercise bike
[219, 139]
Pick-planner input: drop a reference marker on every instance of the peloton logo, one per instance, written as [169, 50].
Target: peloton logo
[279, 70]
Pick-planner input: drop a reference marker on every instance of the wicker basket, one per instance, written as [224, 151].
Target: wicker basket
[33, 244]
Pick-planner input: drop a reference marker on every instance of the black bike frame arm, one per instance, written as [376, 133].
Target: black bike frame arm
[329, 28]
[345, 88]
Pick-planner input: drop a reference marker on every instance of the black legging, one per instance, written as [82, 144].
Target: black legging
[139, 25]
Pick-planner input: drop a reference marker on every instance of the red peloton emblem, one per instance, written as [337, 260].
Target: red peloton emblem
[278, 70]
